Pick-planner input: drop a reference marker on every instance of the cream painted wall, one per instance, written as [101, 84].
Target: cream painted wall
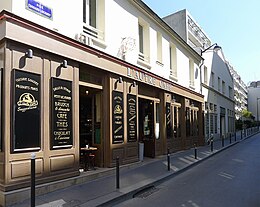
[121, 21]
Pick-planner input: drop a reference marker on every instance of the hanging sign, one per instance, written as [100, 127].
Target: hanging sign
[118, 117]
[26, 111]
[131, 118]
[61, 134]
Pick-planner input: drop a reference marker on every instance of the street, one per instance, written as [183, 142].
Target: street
[231, 178]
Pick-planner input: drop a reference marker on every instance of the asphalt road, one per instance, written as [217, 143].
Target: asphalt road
[228, 179]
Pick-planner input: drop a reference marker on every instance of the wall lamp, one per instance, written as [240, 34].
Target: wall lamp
[132, 85]
[119, 80]
[215, 47]
[64, 64]
[29, 53]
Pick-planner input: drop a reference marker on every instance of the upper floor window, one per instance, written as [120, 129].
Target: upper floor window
[191, 70]
[94, 18]
[173, 61]
[159, 47]
[212, 79]
[144, 43]
[230, 91]
[205, 74]
[219, 86]
[223, 87]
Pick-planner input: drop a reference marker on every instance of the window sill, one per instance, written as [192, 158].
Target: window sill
[174, 78]
[159, 63]
[144, 64]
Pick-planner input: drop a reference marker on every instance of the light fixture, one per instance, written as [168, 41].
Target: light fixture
[215, 47]
[29, 53]
[132, 85]
[64, 64]
[119, 80]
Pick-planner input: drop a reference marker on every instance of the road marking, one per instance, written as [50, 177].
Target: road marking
[185, 160]
[226, 175]
[190, 158]
[193, 204]
[238, 160]
[58, 203]
[206, 153]
[174, 168]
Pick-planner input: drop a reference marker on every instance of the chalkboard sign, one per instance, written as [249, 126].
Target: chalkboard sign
[118, 117]
[26, 111]
[61, 133]
[168, 120]
[131, 118]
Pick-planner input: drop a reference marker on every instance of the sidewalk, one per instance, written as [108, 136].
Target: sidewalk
[133, 178]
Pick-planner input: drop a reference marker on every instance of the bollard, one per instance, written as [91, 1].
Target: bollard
[211, 145]
[117, 172]
[222, 141]
[230, 141]
[33, 180]
[235, 136]
[195, 151]
[168, 159]
[241, 134]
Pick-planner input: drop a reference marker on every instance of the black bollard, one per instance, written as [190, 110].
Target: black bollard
[195, 151]
[235, 136]
[211, 145]
[33, 180]
[241, 134]
[223, 144]
[168, 159]
[117, 172]
[230, 141]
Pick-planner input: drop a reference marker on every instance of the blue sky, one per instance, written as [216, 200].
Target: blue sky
[233, 24]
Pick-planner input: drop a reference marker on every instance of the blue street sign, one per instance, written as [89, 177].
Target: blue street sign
[39, 8]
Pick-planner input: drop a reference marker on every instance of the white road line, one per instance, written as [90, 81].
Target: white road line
[185, 160]
[226, 175]
[58, 203]
[174, 168]
[238, 160]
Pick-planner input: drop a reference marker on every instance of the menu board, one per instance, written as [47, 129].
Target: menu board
[168, 120]
[131, 118]
[26, 111]
[118, 117]
[61, 133]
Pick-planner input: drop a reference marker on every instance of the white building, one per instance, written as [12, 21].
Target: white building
[240, 93]
[254, 99]
[216, 81]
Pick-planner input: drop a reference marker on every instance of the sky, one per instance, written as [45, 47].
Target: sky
[232, 24]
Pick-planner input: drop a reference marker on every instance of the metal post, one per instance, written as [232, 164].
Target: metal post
[117, 172]
[241, 134]
[211, 144]
[223, 144]
[195, 151]
[230, 141]
[168, 159]
[235, 136]
[33, 180]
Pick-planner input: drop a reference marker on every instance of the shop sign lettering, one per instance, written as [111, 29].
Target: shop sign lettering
[27, 111]
[118, 117]
[61, 113]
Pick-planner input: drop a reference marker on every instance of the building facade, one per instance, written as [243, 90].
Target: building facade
[91, 79]
[254, 99]
[216, 81]
[240, 93]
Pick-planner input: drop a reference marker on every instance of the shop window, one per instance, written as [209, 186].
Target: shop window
[187, 117]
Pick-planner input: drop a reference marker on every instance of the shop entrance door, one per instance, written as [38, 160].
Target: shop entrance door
[90, 120]
[146, 126]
